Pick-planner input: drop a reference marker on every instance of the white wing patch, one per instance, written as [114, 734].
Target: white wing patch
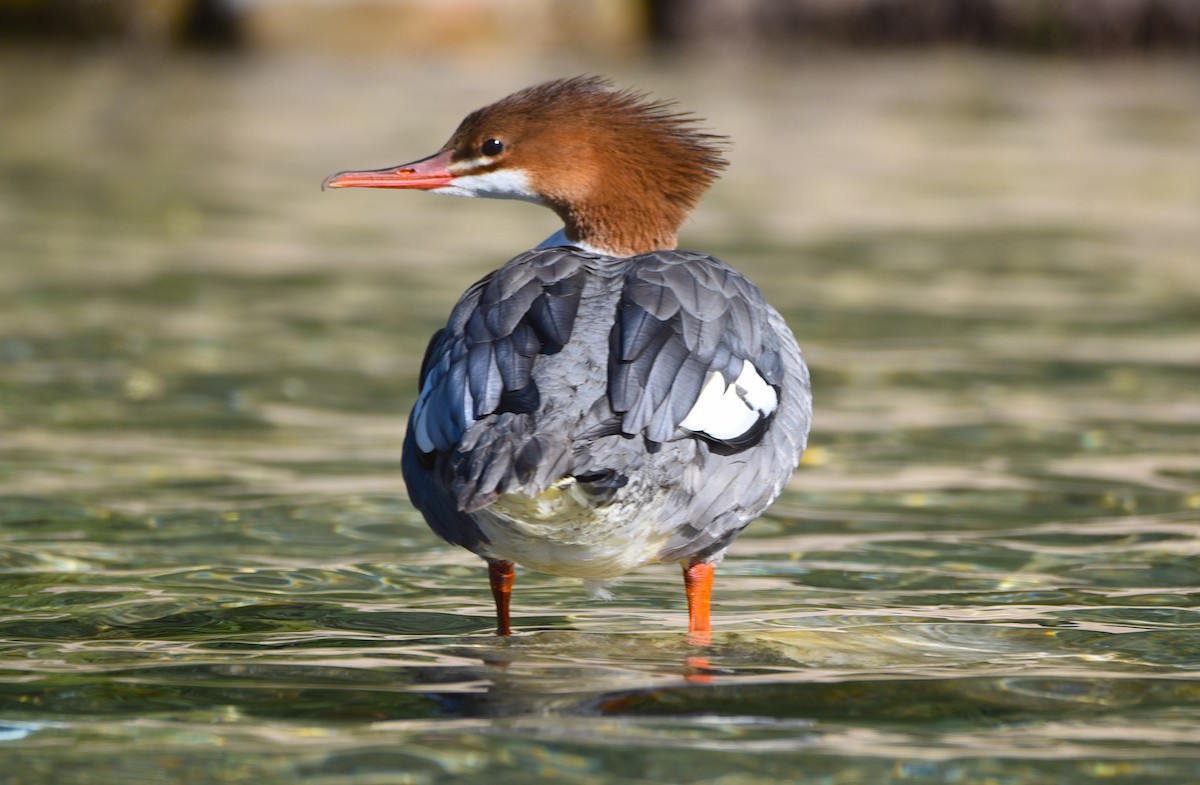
[728, 411]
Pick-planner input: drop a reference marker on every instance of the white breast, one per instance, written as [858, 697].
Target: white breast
[562, 533]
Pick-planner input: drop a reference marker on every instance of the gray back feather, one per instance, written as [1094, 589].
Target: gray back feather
[564, 363]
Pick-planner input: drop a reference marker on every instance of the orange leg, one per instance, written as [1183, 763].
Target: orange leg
[698, 582]
[501, 575]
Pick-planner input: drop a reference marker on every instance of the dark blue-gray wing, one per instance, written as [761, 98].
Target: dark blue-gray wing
[693, 351]
[481, 363]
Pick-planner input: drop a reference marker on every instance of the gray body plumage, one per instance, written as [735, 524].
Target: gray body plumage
[548, 427]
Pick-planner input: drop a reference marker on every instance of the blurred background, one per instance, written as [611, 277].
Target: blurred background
[168, 260]
[1099, 27]
[981, 218]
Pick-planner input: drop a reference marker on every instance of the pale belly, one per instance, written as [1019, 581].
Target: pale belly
[560, 532]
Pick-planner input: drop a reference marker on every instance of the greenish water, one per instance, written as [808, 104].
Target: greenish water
[986, 570]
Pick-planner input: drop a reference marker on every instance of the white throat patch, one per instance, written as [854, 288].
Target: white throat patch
[500, 184]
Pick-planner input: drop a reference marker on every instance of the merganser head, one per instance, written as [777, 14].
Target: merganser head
[620, 169]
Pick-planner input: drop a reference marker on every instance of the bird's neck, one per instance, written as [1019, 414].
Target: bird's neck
[620, 228]
[559, 239]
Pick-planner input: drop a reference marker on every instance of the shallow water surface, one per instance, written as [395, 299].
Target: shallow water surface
[984, 571]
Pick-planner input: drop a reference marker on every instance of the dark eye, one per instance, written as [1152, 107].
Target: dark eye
[492, 147]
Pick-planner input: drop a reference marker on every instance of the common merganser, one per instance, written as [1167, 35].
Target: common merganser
[602, 401]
